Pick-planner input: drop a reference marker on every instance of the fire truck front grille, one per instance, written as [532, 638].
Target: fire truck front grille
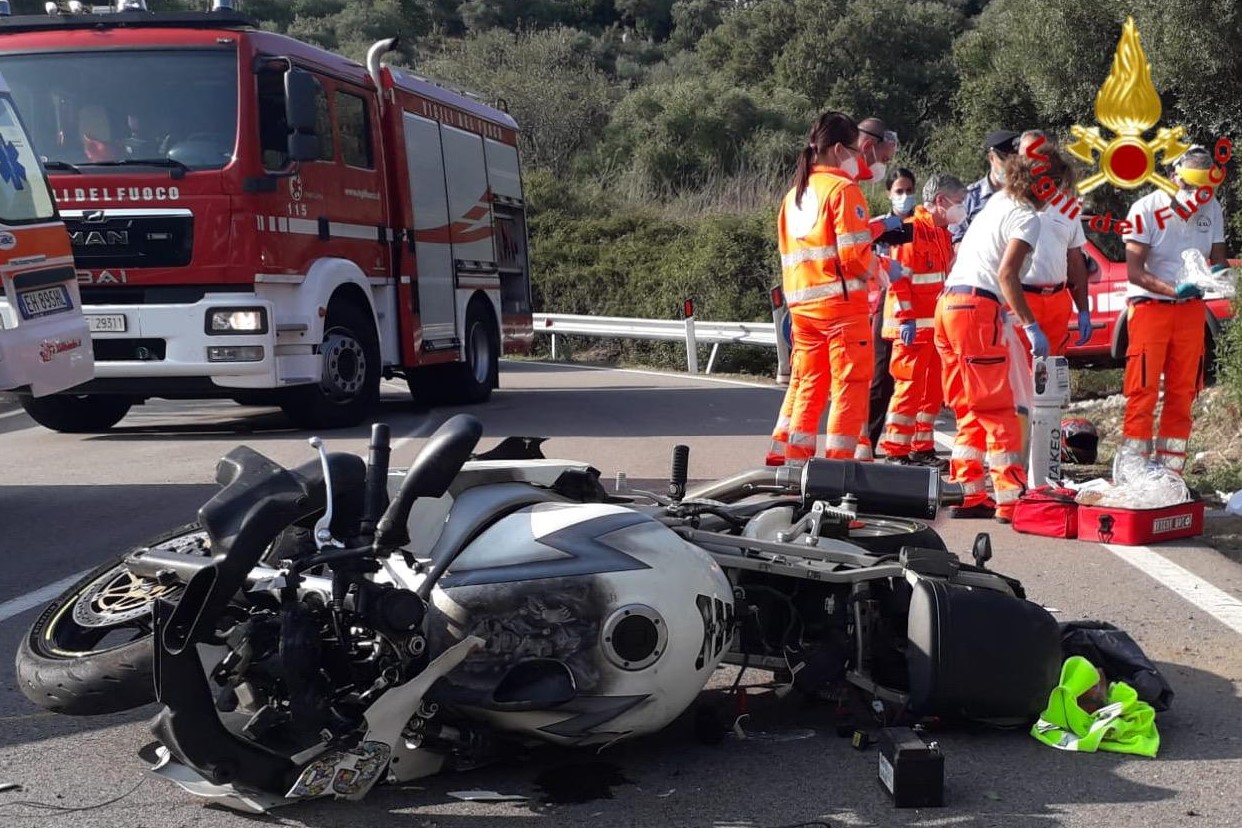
[116, 350]
[104, 240]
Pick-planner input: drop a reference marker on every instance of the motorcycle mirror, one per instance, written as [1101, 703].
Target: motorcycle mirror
[430, 475]
[982, 551]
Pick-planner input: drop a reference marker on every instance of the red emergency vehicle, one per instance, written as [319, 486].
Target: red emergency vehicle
[1107, 346]
[257, 218]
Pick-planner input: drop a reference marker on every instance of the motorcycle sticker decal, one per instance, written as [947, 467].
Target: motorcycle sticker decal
[348, 772]
[585, 554]
[592, 711]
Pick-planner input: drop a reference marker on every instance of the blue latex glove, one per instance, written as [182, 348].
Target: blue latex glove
[896, 271]
[891, 222]
[1189, 290]
[1039, 342]
[1084, 327]
[907, 331]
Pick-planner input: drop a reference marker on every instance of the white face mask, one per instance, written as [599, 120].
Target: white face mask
[850, 166]
[956, 214]
[878, 170]
[903, 203]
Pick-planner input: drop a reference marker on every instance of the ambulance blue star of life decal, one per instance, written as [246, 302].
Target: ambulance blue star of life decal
[11, 170]
[858, 211]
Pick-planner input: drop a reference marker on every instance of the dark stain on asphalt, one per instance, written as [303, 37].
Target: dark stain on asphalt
[580, 782]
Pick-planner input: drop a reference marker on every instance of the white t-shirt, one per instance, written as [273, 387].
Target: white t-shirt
[983, 247]
[1168, 234]
[1058, 234]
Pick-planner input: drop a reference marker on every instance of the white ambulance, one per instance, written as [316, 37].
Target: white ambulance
[45, 344]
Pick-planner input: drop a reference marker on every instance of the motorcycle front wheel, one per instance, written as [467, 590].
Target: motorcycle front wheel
[884, 536]
[90, 651]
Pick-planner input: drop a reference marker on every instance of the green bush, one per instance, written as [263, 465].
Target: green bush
[592, 255]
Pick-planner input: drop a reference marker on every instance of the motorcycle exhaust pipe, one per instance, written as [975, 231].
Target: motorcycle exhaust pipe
[742, 483]
[880, 488]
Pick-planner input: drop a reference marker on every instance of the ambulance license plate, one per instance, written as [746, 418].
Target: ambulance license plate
[44, 301]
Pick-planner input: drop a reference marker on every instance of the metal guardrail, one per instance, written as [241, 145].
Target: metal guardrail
[689, 330]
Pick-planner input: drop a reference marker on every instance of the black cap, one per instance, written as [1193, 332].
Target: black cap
[1003, 141]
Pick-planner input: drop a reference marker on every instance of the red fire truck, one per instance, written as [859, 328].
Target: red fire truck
[258, 219]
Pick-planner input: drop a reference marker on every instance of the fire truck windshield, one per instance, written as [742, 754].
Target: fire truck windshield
[128, 105]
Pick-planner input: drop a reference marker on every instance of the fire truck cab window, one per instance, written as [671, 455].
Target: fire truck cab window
[354, 126]
[273, 128]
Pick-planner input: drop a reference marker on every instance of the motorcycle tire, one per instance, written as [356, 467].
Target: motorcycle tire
[884, 536]
[61, 665]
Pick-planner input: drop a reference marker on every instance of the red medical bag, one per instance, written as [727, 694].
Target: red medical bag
[1048, 511]
[1136, 527]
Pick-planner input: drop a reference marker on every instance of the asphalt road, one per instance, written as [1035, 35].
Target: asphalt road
[70, 502]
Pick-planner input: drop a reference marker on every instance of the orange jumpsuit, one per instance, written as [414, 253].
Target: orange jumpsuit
[917, 395]
[826, 264]
[1052, 307]
[780, 434]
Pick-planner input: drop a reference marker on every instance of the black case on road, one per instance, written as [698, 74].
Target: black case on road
[979, 654]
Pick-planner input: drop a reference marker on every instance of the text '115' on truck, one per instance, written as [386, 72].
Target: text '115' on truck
[259, 219]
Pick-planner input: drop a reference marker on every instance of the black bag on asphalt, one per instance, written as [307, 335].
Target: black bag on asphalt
[1119, 656]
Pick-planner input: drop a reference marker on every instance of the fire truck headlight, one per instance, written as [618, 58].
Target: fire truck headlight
[75, 6]
[236, 321]
[51, 8]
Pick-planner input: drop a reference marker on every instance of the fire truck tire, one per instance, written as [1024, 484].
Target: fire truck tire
[471, 381]
[77, 413]
[348, 388]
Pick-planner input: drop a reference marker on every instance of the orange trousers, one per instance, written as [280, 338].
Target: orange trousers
[831, 358]
[1052, 312]
[780, 434]
[1166, 338]
[917, 397]
[970, 339]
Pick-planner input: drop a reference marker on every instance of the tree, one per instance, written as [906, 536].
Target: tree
[889, 58]
[552, 87]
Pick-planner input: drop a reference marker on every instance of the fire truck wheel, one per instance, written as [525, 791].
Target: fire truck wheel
[348, 387]
[77, 413]
[470, 381]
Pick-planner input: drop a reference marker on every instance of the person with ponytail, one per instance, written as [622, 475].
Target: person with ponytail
[827, 267]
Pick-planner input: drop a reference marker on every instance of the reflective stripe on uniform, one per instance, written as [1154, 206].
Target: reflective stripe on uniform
[809, 254]
[854, 239]
[1135, 444]
[1007, 495]
[925, 418]
[863, 452]
[924, 435]
[802, 440]
[1173, 462]
[781, 432]
[897, 437]
[924, 323]
[825, 291]
[899, 419]
[1004, 458]
[840, 442]
[926, 278]
[970, 487]
[1171, 444]
[967, 453]
[903, 305]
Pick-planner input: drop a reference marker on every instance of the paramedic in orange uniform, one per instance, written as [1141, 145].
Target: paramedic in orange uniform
[970, 335]
[909, 319]
[824, 235]
[1058, 270]
[1166, 313]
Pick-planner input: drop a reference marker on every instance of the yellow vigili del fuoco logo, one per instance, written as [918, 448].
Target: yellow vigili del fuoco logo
[1128, 105]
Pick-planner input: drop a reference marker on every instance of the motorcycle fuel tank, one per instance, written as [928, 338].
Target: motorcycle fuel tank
[599, 622]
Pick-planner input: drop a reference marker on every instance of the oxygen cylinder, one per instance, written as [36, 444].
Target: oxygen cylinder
[1051, 400]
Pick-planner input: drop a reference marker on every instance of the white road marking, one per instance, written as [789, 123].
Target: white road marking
[1214, 601]
[42, 595]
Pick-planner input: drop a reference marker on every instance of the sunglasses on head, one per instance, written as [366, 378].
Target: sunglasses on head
[889, 137]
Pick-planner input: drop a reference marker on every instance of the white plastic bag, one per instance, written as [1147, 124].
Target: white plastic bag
[1195, 270]
[1021, 375]
[1138, 483]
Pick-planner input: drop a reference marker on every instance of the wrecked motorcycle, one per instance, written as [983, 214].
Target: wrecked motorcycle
[327, 627]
